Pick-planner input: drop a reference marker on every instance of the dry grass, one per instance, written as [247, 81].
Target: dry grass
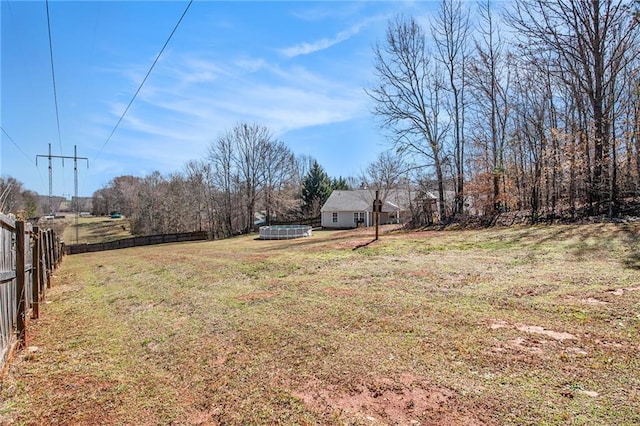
[536, 325]
[95, 229]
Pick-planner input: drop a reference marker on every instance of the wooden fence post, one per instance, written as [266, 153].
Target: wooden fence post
[20, 284]
[36, 276]
[47, 256]
[42, 264]
[56, 244]
[59, 251]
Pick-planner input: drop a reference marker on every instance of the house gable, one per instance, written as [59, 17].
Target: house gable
[339, 209]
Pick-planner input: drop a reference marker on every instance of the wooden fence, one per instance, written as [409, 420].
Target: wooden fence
[27, 259]
[136, 242]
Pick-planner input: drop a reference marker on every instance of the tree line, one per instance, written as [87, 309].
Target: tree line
[534, 107]
[14, 198]
[247, 178]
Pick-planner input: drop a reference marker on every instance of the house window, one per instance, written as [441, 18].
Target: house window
[358, 217]
[334, 217]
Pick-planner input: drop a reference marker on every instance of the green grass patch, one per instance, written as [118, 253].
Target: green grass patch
[99, 229]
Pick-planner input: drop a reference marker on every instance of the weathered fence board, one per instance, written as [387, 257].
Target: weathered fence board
[27, 258]
[21, 281]
[136, 242]
[36, 280]
[7, 287]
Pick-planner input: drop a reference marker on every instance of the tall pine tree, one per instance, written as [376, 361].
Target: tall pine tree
[316, 188]
[339, 183]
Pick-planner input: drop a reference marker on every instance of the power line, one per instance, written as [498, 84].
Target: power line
[53, 76]
[22, 151]
[16, 145]
[146, 76]
[75, 169]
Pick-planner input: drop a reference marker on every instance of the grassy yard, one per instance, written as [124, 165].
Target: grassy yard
[530, 325]
[96, 229]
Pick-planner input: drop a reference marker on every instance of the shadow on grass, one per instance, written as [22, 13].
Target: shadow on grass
[631, 238]
[627, 234]
[363, 245]
[632, 261]
[531, 236]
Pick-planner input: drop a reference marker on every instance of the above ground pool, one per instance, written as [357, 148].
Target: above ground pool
[284, 232]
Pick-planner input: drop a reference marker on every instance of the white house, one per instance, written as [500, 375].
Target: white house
[351, 208]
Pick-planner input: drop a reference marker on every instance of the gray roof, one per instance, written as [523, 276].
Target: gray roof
[362, 200]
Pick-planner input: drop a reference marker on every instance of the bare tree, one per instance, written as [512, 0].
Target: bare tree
[631, 131]
[490, 79]
[594, 41]
[120, 195]
[10, 198]
[225, 180]
[15, 199]
[532, 154]
[304, 163]
[251, 144]
[451, 34]
[249, 167]
[149, 217]
[200, 183]
[407, 97]
[279, 174]
[387, 172]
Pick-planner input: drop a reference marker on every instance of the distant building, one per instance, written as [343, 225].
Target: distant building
[352, 208]
[61, 204]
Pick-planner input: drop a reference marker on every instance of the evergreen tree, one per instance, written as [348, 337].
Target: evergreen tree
[316, 188]
[339, 183]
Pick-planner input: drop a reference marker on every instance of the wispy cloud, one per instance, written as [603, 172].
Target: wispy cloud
[185, 107]
[322, 44]
[306, 48]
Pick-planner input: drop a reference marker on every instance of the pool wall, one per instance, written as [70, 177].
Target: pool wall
[284, 232]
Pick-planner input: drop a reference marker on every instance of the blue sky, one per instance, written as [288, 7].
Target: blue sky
[299, 68]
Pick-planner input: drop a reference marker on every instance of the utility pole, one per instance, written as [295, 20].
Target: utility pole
[377, 209]
[75, 184]
[50, 180]
[75, 172]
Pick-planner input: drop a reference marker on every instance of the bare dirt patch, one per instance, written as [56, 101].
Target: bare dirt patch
[497, 324]
[557, 335]
[591, 301]
[535, 329]
[622, 291]
[407, 400]
[530, 344]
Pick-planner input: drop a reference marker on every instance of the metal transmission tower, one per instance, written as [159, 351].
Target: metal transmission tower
[50, 176]
[75, 159]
